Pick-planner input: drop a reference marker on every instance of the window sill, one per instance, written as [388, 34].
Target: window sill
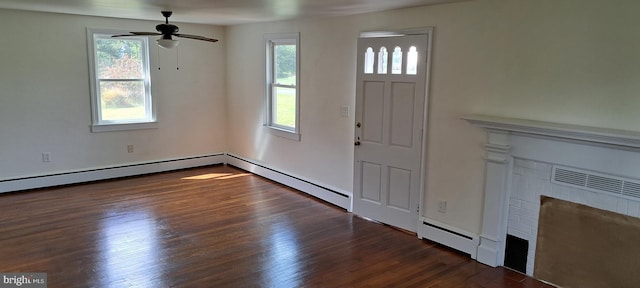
[283, 133]
[123, 126]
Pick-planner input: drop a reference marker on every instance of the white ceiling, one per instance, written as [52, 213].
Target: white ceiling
[218, 12]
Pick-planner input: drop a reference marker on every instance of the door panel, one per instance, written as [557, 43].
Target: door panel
[373, 105]
[400, 183]
[371, 175]
[390, 110]
[402, 102]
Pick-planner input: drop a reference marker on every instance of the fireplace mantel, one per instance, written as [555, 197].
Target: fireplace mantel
[559, 130]
[610, 151]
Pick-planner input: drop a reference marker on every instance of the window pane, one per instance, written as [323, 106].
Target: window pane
[412, 61]
[120, 100]
[396, 62]
[383, 55]
[119, 59]
[285, 64]
[368, 61]
[284, 107]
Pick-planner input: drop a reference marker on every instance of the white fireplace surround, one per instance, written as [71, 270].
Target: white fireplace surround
[520, 160]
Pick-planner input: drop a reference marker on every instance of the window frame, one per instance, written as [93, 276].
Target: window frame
[99, 125]
[270, 40]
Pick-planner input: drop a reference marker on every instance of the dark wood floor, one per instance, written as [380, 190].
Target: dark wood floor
[217, 227]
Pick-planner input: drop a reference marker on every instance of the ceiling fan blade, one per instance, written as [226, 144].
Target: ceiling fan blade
[196, 37]
[145, 33]
[138, 34]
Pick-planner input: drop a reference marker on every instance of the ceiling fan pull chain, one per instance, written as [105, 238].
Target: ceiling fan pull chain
[158, 59]
[177, 58]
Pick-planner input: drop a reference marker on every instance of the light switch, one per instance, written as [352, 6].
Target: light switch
[344, 111]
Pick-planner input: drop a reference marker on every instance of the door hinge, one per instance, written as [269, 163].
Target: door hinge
[417, 208]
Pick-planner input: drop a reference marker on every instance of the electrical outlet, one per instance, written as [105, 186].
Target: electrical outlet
[46, 157]
[442, 207]
[129, 148]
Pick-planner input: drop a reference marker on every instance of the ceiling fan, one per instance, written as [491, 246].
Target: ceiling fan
[167, 31]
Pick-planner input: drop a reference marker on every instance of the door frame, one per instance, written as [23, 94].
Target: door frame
[428, 31]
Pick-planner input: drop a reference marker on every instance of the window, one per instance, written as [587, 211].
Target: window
[382, 60]
[120, 86]
[412, 61]
[368, 61]
[282, 78]
[396, 61]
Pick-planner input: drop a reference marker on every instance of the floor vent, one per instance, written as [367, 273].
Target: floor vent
[597, 182]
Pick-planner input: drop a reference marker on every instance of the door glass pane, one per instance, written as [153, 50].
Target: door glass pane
[383, 55]
[412, 61]
[285, 64]
[396, 62]
[284, 107]
[120, 100]
[368, 61]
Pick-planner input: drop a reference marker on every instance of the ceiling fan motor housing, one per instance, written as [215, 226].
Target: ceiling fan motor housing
[167, 30]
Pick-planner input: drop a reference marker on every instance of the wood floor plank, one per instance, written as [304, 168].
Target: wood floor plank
[217, 226]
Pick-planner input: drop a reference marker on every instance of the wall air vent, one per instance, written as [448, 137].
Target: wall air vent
[631, 189]
[569, 177]
[605, 184]
[596, 182]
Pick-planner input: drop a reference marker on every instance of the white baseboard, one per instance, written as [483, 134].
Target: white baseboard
[332, 195]
[449, 236]
[104, 173]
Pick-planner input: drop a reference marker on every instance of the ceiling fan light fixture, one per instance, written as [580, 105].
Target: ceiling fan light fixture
[167, 43]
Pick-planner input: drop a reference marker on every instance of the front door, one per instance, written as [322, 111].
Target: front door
[390, 111]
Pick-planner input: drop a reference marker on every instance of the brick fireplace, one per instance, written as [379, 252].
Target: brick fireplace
[527, 159]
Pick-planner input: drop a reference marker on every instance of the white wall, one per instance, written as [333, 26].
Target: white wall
[45, 97]
[572, 61]
[324, 153]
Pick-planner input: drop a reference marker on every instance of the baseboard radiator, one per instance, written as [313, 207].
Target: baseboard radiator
[324, 192]
[103, 173]
[449, 236]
